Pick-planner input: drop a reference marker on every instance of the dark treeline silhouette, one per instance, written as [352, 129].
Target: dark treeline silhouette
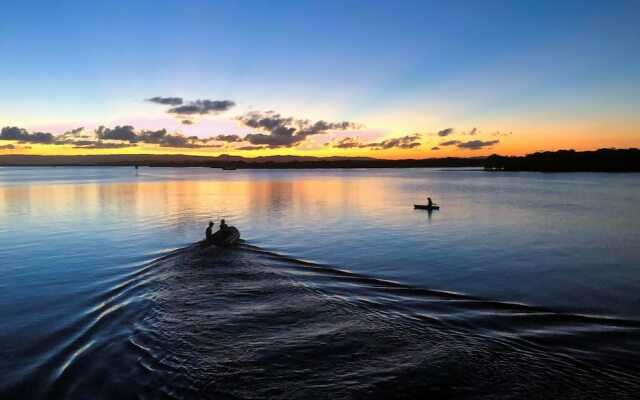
[450, 162]
[603, 160]
[230, 162]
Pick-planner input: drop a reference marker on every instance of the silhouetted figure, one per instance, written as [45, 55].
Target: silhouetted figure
[430, 203]
[208, 231]
[223, 225]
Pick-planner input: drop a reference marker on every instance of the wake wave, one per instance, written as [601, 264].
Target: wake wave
[250, 323]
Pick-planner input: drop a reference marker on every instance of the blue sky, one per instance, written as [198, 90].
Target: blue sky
[394, 66]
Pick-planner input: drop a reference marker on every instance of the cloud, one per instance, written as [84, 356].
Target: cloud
[405, 142]
[77, 132]
[171, 101]
[345, 143]
[498, 133]
[88, 144]
[160, 137]
[164, 139]
[321, 127]
[282, 137]
[477, 144]
[228, 138]
[446, 132]
[286, 131]
[472, 132]
[202, 107]
[435, 148]
[13, 147]
[71, 137]
[251, 148]
[118, 137]
[186, 111]
[216, 145]
[449, 143]
[124, 133]
[22, 136]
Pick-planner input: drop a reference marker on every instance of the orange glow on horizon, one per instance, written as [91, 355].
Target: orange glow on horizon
[578, 135]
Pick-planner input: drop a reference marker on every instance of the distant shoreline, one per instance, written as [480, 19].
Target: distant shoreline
[275, 162]
[602, 160]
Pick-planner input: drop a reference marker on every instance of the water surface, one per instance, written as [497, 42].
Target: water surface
[340, 288]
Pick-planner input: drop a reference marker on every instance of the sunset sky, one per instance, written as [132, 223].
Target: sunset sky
[387, 79]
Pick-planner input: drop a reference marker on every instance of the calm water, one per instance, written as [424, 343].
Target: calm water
[523, 284]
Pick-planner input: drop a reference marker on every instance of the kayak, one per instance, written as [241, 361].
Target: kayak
[425, 207]
[222, 238]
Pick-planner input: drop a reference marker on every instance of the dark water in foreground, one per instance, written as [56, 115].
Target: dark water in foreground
[116, 303]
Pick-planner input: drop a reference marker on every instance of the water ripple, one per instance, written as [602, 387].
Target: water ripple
[249, 323]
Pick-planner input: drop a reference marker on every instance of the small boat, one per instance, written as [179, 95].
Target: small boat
[229, 168]
[222, 238]
[425, 207]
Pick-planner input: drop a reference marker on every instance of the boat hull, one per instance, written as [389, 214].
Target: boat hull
[425, 207]
[222, 238]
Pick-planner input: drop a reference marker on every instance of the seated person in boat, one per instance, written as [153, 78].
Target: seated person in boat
[223, 226]
[208, 231]
[430, 203]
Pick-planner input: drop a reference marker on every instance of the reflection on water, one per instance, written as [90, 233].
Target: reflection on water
[560, 240]
[78, 284]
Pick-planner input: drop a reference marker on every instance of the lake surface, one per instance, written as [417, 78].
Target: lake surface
[340, 289]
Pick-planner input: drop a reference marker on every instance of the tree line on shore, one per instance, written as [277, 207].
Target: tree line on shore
[602, 160]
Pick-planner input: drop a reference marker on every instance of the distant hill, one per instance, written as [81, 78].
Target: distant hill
[602, 160]
[180, 160]
[151, 159]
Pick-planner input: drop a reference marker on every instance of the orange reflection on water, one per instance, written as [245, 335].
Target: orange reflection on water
[174, 201]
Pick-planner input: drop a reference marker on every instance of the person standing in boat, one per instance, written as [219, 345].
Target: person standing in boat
[208, 233]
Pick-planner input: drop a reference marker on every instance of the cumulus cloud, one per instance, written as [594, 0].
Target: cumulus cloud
[228, 138]
[22, 136]
[202, 107]
[160, 137]
[449, 143]
[405, 142]
[286, 131]
[124, 133]
[477, 144]
[165, 139]
[446, 132]
[171, 101]
[118, 137]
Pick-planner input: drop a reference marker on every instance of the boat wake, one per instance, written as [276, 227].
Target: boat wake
[249, 323]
